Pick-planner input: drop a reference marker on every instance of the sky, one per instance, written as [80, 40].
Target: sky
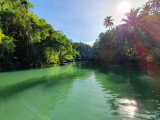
[81, 20]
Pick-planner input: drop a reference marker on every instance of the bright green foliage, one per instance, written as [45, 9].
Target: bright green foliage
[26, 40]
[6, 43]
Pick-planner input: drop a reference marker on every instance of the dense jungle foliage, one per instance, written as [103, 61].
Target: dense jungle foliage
[27, 41]
[135, 41]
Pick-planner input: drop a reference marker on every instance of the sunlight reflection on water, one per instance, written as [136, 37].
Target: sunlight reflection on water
[128, 107]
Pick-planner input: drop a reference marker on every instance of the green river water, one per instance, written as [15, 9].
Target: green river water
[79, 91]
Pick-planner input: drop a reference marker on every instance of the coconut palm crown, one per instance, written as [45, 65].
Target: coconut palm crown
[155, 4]
[134, 17]
[108, 22]
[146, 7]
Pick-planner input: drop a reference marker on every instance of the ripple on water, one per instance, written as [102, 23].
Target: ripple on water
[128, 107]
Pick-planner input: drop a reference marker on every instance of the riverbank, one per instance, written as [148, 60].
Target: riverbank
[127, 63]
[38, 66]
[11, 68]
[29, 67]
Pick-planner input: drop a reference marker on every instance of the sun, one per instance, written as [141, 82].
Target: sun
[123, 7]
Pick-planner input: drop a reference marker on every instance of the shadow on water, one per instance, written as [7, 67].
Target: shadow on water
[129, 84]
[53, 88]
[8, 91]
[119, 83]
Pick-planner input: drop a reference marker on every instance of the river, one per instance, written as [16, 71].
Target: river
[79, 91]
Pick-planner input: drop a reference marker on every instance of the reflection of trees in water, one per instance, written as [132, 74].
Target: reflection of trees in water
[39, 95]
[126, 82]
[118, 82]
[2, 107]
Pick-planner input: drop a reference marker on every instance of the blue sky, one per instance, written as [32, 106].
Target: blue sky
[81, 20]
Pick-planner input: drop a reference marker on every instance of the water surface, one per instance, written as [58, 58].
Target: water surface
[79, 91]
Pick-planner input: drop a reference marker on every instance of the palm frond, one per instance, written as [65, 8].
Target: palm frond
[137, 10]
[141, 16]
[125, 20]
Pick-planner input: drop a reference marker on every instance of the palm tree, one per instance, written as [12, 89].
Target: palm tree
[108, 22]
[155, 4]
[134, 18]
[134, 21]
[146, 7]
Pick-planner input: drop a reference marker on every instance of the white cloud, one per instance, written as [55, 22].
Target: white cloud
[90, 43]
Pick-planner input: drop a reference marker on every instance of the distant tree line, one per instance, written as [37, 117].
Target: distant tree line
[84, 50]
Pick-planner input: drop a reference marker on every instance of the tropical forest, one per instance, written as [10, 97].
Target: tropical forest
[44, 74]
